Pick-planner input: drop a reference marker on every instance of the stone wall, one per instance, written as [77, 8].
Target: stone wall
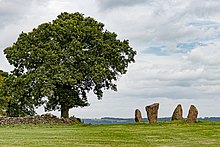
[43, 119]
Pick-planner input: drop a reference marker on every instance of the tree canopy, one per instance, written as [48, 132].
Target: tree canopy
[3, 100]
[14, 100]
[59, 62]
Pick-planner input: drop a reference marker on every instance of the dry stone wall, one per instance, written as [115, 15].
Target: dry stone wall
[43, 119]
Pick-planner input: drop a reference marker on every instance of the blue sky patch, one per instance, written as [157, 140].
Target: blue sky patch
[156, 50]
[188, 46]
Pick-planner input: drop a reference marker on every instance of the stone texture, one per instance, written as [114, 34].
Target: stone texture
[152, 112]
[192, 115]
[178, 113]
[43, 119]
[138, 117]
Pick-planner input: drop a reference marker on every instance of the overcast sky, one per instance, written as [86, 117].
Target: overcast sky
[177, 44]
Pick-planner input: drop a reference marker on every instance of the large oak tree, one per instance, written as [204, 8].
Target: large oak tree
[61, 61]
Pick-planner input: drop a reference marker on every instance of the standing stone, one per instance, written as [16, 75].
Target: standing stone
[138, 117]
[192, 115]
[178, 113]
[152, 111]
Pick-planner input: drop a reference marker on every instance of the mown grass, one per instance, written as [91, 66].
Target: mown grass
[142, 134]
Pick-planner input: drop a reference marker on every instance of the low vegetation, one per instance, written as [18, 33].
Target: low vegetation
[141, 134]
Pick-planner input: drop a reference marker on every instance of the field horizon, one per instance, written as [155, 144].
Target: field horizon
[118, 120]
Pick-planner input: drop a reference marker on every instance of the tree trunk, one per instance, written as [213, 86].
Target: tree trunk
[64, 111]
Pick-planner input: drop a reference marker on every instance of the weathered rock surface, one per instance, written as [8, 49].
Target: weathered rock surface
[43, 119]
[138, 117]
[192, 115]
[178, 113]
[152, 112]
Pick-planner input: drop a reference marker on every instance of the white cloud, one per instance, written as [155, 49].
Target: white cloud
[112, 4]
[206, 55]
[12, 12]
[161, 22]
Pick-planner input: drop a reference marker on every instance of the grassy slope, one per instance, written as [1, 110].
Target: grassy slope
[162, 134]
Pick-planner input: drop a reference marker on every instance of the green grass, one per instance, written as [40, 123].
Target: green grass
[162, 134]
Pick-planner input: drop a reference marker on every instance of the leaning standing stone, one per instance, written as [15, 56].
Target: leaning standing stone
[178, 113]
[152, 111]
[138, 117]
[192, 115]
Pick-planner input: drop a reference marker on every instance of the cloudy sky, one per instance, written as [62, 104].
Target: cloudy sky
[177, 44]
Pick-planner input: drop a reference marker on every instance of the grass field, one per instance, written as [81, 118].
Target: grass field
[162, 134]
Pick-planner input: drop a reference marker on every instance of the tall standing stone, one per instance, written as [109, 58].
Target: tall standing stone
[138, 117]
[192, 115]
[178, 113]
[152, 112]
